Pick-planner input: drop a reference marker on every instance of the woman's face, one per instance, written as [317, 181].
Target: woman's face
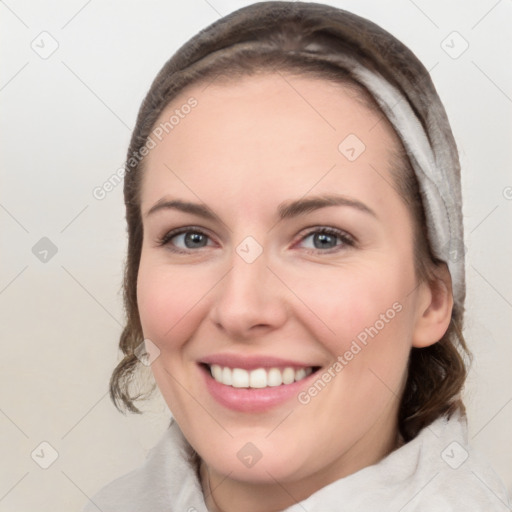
[287, 271]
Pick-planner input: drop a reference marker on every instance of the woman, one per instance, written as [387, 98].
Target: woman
[293, 202]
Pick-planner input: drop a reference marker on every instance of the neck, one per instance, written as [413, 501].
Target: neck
[226, 494]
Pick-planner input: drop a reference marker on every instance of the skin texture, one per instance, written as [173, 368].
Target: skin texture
[243, 151]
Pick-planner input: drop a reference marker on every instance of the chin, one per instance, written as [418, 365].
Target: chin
[260, 461]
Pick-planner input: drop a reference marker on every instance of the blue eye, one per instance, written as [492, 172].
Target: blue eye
[318, 240]
[325, 239]
[185, 239]
[191, 240]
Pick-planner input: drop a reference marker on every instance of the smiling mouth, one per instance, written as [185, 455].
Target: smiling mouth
[258, 378]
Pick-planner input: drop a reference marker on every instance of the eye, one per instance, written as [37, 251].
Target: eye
[185, 239]
[324, 239]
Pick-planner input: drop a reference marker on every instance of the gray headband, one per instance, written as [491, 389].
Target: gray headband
[440, 188]
[436, 167]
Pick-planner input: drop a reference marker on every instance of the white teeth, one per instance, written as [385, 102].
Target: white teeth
[240, 378]
[274, 377]
[288, 376]
[226, 376]
[216, 372]
[300, 374]
[258, 378]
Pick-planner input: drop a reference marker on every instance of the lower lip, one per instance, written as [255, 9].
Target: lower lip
[253, 399]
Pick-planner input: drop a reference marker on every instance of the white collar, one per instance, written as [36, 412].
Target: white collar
[435, 471]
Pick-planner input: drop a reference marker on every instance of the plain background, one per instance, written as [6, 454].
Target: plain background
[66, 122]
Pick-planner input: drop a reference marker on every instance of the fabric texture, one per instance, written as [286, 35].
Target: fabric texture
[436, 471]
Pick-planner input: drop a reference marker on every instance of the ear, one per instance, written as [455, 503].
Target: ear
[434, 308]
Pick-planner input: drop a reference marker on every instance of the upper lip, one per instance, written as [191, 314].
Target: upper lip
[251, 362]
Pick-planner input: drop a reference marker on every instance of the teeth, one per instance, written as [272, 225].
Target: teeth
[274, 377]
[258, 378]
[226, 376]
[300, 374]
[240, 378]
[288, 376]
[217, 372]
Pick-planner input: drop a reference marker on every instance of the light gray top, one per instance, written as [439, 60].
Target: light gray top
[436, 471]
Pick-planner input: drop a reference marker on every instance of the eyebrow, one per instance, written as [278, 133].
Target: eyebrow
[285, 210]
[200, 210]
[305, 205]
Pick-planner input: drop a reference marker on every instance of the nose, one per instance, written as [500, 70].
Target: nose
[249, 301]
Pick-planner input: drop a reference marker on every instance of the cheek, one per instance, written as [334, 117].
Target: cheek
[363, 318]
[343, 303]
[169, 301]
[368, 341]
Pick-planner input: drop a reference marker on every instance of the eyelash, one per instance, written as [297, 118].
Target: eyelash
[346, 239]
[164, 240]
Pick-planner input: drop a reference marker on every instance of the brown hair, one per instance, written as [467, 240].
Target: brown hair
[274, 37]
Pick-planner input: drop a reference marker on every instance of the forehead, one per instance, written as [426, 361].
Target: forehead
[293, 133]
